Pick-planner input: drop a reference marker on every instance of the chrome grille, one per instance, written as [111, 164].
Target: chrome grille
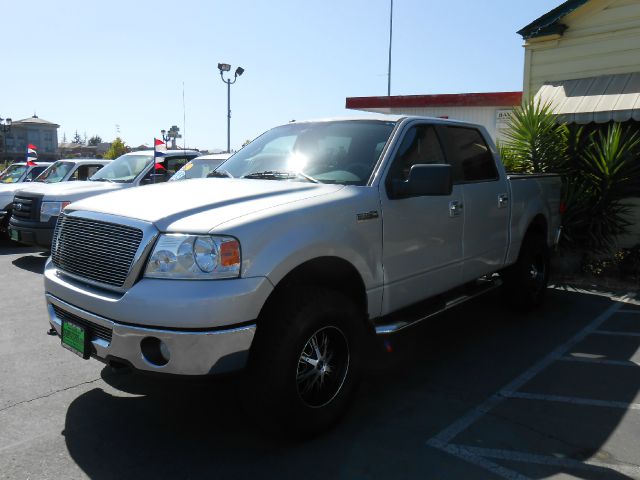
[26, 207]
[95, 330]
[98, 251]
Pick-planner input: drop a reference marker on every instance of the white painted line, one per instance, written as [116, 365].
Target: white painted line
[617, 334]
[575, 400]
[449, 433]
[464, 454]
[513, 456]
[601, 361]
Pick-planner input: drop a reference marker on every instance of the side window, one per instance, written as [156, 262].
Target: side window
[85, 171]
[419, 146]
[35, 171]
[474, 161]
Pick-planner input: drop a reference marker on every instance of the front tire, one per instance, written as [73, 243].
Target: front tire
[525, 282]
[304, 366]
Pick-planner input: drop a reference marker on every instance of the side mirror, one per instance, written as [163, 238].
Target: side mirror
[424, 180]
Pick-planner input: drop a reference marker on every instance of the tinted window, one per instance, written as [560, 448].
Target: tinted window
[420, 145]
[473, 161]
[35, 171]
[83, 172]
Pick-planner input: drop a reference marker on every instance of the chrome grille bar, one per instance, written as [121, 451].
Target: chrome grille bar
[98, 251]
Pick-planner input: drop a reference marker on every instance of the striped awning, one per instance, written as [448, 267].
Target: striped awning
[595, 99]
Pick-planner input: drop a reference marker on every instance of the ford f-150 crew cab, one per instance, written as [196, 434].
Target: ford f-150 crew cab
[40, 205]
[320, 233]
[12, 178]
[70, 169]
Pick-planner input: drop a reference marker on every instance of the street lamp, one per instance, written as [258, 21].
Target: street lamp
[225, 67]
[5, 125]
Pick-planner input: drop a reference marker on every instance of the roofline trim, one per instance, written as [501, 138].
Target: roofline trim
[489, 99]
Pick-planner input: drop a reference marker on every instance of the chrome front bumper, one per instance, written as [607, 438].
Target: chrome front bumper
[199, 352]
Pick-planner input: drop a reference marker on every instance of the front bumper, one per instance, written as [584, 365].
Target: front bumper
[206, 325]
[207, 352]
[33, 233]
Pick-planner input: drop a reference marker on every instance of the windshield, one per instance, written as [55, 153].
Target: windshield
[13, 174]
[123, 169]
[342, 152]
[196, 168]
[55, 173]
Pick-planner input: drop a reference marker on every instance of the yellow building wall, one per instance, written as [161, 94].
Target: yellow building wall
[603, 38]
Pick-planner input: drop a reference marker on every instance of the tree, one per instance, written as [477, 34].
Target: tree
[77, 138]
[116, 149]
[95, 140]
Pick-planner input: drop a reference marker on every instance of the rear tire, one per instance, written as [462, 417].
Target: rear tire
[304, 366]
[525, 282]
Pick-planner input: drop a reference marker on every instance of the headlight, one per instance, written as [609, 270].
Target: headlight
[51, 209]
[194, 257]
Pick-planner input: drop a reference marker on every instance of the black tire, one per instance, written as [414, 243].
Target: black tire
[296, 387]
[525, 282]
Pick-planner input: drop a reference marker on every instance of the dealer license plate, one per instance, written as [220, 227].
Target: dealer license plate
[15, 235]
[75, 338]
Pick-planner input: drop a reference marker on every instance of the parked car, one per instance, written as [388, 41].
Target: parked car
[327, 231]
[11, 179]
[200, 167]
[36, 208]
[69, 169]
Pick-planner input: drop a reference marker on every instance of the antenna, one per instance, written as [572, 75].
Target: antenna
[184, 121]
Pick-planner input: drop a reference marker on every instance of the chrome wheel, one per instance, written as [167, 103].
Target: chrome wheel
[322, 367]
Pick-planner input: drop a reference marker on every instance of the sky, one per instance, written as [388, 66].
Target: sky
[122, 66]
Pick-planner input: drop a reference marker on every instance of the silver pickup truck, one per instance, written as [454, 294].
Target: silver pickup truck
[315, 235]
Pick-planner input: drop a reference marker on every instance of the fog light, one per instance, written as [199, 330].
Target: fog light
[155, 351]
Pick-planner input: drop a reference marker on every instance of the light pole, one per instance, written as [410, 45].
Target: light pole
[225, 67]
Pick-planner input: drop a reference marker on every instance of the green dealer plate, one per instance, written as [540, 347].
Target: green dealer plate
[75, 338]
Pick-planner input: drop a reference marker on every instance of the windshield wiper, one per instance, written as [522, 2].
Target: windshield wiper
[103, 180]
[275, 175]
[219, 174]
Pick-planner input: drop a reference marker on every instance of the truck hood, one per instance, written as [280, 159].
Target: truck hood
[12, 187]
[199, 205]
[71, 191]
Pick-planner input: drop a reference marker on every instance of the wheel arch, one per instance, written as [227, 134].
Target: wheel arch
[329, 272]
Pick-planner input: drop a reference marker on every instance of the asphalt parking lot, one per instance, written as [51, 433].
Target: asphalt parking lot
[479, 393]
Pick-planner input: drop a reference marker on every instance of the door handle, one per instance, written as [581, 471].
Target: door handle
[455, 208]
[503, 200]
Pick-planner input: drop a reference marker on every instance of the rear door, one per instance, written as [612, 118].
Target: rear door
[422, 236]
[486, 201]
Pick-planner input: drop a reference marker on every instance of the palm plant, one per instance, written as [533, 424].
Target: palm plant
[608, 172]
[534, 141]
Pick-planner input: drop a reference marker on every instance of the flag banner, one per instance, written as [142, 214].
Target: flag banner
[159, 150]
[32, 155]
[159, 166]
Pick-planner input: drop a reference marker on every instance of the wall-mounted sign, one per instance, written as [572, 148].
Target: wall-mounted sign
[502, 118]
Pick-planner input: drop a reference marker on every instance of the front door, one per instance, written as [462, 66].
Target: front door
[422, 236]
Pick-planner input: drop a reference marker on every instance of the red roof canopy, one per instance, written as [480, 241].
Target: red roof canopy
[491, 99]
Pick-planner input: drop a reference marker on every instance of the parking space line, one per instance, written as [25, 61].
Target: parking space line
[442, 440]
[617, 334]
[574, 400]
[514, 456]
[601, 361]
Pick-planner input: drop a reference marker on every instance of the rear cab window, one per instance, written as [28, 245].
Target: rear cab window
[471, 157]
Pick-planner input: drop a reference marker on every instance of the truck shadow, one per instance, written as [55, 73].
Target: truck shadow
[7, 247]
[32, 263]
[418, 382]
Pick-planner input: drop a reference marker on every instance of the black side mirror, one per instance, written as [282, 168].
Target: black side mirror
[424, 180]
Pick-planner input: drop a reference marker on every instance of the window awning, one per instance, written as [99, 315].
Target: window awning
[595, 99]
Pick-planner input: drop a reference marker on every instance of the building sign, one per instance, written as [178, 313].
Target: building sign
[502, 118]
